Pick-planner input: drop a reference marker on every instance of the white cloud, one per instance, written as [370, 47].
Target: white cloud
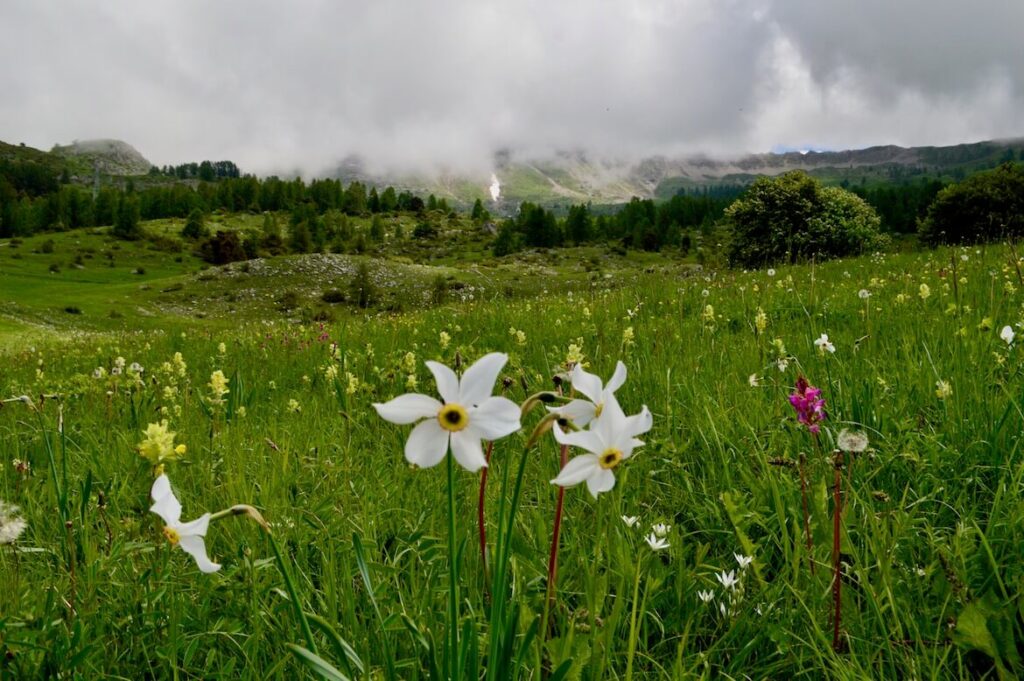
[277, 86]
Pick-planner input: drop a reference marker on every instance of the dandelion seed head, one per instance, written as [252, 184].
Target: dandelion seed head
[11, 523]
[852, 440]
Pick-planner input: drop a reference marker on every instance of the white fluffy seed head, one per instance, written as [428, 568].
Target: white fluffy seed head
[11, 523]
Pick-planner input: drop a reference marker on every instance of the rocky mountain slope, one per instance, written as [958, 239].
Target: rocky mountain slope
[575, 177]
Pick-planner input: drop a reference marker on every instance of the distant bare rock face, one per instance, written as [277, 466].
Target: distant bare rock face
[113, 157]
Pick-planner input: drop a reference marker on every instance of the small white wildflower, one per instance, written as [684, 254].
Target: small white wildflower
[728, 579]
[706, 596]
[754, 381]
[661, 529]
[630, 520]
[824, 345]
[742, 561]
[863, 294]
[1007, 335]
[656, 543]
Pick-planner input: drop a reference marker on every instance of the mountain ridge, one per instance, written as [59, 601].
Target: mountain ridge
[576, 176]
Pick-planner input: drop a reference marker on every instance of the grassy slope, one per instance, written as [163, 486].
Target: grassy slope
[98, 288]
[932, 528]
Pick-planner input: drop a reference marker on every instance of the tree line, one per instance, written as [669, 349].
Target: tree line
[32, 201]
[643, 224]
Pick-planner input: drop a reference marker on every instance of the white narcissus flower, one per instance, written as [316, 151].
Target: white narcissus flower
[1007, 335]
[467, 415]
[824, 345]
[582, 412]
[610, 440]
[188, 536]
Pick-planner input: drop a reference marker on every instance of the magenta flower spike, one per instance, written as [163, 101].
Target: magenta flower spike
[809, 404]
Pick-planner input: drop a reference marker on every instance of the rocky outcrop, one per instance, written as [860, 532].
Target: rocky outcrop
[113, 157]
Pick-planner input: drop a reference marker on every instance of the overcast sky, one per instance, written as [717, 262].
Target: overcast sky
[289, 84]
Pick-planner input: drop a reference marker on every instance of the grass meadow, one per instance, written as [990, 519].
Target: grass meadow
[355, 578]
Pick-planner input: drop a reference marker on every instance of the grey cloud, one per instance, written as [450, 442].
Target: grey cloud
[276, 85]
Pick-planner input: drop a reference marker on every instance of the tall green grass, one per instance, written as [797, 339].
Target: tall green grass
[933, 520]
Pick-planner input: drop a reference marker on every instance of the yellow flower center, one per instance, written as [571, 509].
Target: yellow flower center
[453, 417]
[598, 408]
[172, 535]
[610, 458]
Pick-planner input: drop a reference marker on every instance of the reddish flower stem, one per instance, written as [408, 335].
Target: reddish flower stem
[807, 513]
[480, 512]
[556, 531]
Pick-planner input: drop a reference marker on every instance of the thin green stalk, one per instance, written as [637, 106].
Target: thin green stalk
[502, 550]
[293, 595]
[57, 487]
[453, 578]
[632, 622]
[556, 533]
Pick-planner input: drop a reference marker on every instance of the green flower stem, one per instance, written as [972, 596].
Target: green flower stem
[57, 487]
[632, 622]
[556, 533]
[502, 550]
[293, 595]
[453, 578]
[480, 517]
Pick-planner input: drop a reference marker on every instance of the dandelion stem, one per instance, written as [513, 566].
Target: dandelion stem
[480, 518]
[453, 578]
[71, 569]
[837, 584]
[807, 513]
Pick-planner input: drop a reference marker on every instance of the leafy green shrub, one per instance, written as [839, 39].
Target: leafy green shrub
[289, 300]
[793, 218]
[224, 247]
[195, 227]
[988, 206]
[424, 230]
[164, 244]
[361, 287]
[439, 290]
[333, 296]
